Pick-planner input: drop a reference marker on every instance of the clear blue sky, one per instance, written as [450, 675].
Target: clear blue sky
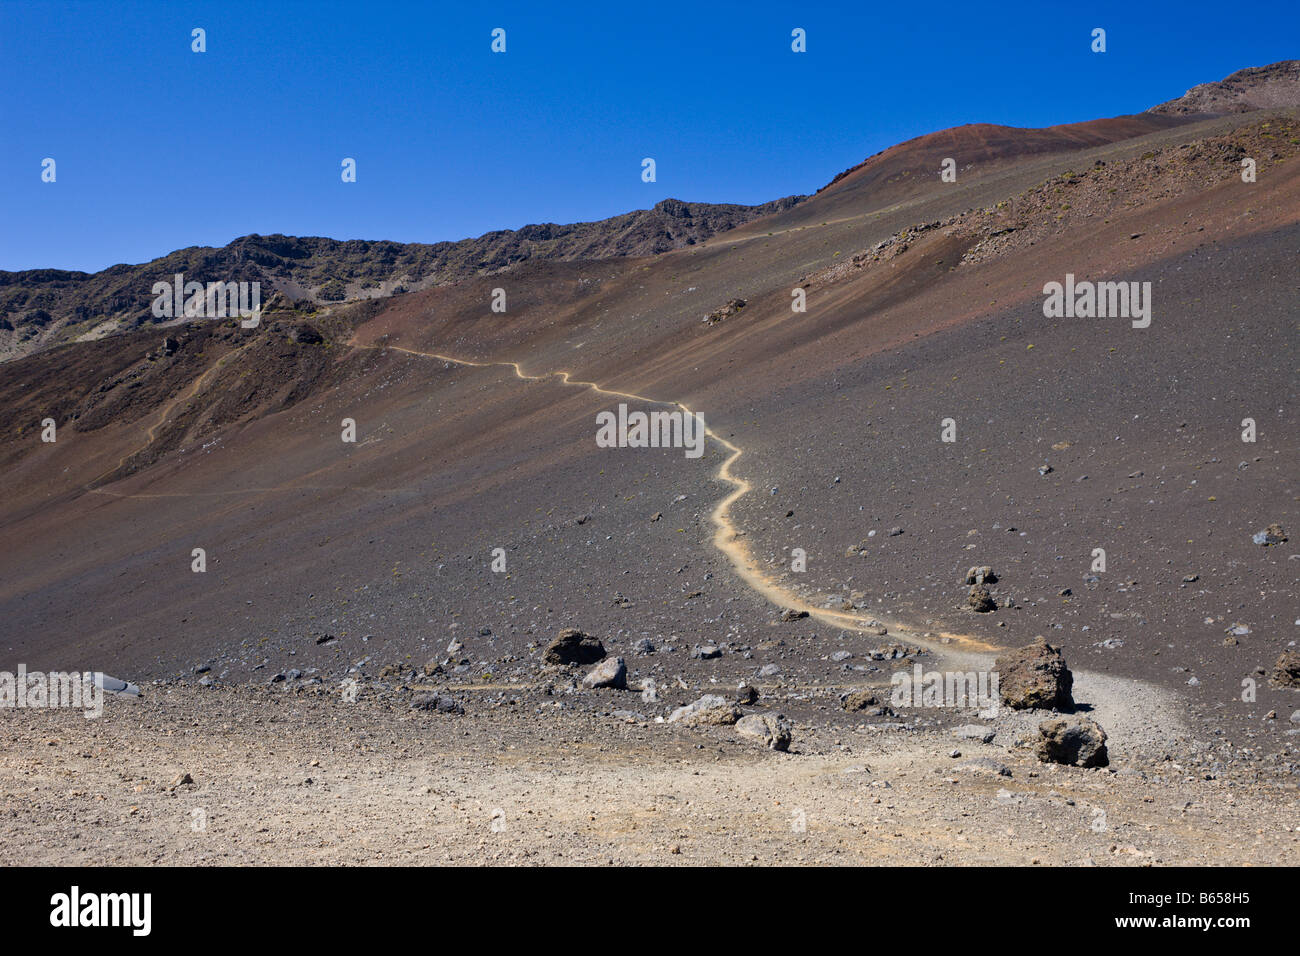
[160, 148]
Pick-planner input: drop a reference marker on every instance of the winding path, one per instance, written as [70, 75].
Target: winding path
[726, 537]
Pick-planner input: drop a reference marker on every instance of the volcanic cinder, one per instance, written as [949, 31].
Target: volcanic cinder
[202, 527]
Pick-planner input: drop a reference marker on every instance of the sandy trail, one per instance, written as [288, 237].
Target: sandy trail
[1132, 710]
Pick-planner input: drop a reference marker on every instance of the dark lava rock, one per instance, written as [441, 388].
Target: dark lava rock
[866, 703]
[571, 646]
[1076, 741]
[746, 694]
[1286, 672]
[981, 600]
[1035, 676]
[437, 702]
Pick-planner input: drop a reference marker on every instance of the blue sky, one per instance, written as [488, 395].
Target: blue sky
[158, 147]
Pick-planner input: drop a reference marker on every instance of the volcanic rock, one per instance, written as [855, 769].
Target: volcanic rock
[981, 600]
[1286, 671]
[709, 710]
[1075, 741]
[1035, 676]
[611, 672]
[571, 646]
[772, 729]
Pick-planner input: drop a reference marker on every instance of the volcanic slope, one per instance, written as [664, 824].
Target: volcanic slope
[386, 544]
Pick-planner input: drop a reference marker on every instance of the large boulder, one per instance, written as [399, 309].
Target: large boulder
[981, 574]
[1076, 741]
[571, 646]
[980, 599]
[772, 729]
[1035, 676]
[1286, 672]
[611, 672]
[709, 710]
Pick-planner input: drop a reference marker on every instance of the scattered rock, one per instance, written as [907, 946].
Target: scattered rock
[1273, 534]
[865, 703]
[790, 614]
[772, 729]
[709, 710]
[1035, 676]
[437, 702]
[1075, 741]
[983, 574]
[182, 780]
[643, 646]
[705, 652]
[746, 694]
[985, 765]
[571, 646]
[611, 672]
[717, 315]
[974, 732]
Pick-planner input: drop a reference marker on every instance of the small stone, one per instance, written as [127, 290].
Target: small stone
[1271, 535]
[974, 732]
